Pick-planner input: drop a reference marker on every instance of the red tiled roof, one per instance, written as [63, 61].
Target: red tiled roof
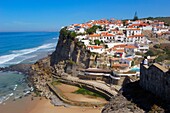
[120, 50]
[135, 36]
[119, 34]
[130, 59]
[130, 46]
[120, 65]
[136, 29]
[115, 59]
[95, 47]
[120, 46]
[94, 35]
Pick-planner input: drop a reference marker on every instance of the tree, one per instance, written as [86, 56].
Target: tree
[93, 29]
[72, 34]
[132, 63]
[64, 32]
[150, 53]
[135, 17]
[97, 42]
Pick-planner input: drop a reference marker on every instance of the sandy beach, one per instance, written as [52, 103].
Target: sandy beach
[37, 105]
[45, 107]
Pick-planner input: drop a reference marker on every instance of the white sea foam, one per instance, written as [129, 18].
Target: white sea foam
[15, 87]
[5, 98]
[21, 59]
[55, 38]
[17, 53]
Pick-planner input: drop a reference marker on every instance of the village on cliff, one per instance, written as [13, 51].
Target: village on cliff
[104, 56]
[120, 41]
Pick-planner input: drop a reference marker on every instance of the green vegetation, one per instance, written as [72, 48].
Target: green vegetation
[164, 56]
[164, 19]
[37, 92]
[93, 29]
[55, 83]
[160, 58]
[133, 63]
[156, 46]
[97, 42]
[87, 92]
[67, 34]
[139, 53]
[72, 34]
[80, 44]
[71, 62]
[153, 52]
[93, 54]
[150, 53]
[162, 52]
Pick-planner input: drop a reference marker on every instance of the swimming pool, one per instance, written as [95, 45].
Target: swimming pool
[135, 69]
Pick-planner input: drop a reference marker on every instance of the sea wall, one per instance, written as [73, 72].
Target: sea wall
[156, 79]
[60, 95]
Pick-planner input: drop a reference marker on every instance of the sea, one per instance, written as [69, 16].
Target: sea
[22, 47]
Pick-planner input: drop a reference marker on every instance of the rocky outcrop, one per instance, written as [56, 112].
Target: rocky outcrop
[70, 51]
[23, 68]
[132, 98]
[119, 104]
[69, 55]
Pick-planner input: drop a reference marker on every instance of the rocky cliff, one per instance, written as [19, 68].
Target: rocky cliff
[70, 51]
[70, 54]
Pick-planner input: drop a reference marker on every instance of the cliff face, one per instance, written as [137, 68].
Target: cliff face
[69, 55]
[70, 51]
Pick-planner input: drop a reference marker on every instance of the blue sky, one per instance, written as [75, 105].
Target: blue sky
[51, 15]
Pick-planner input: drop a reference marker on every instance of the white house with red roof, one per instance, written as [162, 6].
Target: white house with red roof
[94, 37]
[119, 38]
[133, 31]
[130, 50]
[107, 37]
[96, 49]
[135, 39]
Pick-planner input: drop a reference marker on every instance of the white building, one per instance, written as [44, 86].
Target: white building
[96, 49]
[133, 31]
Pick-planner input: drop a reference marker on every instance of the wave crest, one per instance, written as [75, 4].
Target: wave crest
[16, 53]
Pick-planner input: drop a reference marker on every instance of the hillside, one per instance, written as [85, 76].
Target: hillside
[164, 19]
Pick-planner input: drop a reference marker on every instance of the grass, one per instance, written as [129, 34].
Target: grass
[55, 83]
[87, 92]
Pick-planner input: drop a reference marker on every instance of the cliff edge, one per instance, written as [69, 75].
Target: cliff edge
[69, 50]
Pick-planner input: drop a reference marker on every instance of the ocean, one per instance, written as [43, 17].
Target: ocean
[22, 47]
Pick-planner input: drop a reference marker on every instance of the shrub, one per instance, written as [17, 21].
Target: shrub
[151, 53]
[160, 58]
[71, 62]
[139, 53]
[133, 63]
[93, 29]
[156, 46]
[97, 42]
